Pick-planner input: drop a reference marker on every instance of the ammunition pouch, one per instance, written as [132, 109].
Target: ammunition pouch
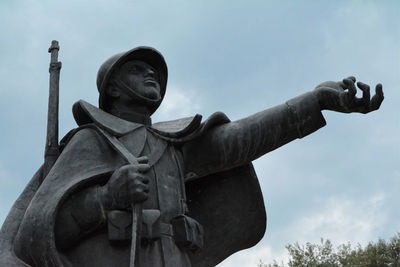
[186, 232]
[119, 226]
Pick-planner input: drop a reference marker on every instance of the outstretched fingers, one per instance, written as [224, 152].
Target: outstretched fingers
[350, 86]
[365, 100]
[377, 99]
[352, 78]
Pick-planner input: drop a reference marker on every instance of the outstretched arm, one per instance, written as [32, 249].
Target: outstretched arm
[239, 142]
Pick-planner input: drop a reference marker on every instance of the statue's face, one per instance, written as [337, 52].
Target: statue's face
[141, 78]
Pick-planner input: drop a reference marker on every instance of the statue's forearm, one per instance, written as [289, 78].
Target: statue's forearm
[79, 215]
[242, 141]
[305, 110]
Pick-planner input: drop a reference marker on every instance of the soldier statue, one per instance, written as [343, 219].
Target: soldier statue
[126, 192]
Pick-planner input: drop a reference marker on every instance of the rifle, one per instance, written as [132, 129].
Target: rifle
[52, 148]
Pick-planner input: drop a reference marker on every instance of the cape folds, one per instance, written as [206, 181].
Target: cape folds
[231, 196]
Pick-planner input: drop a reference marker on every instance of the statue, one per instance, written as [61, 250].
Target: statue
[126, 192]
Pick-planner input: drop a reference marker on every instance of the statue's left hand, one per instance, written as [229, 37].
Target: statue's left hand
[341, 96]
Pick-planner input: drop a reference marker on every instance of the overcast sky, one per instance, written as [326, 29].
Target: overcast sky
[239, 57]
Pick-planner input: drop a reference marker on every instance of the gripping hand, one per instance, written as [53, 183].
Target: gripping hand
[128, 185]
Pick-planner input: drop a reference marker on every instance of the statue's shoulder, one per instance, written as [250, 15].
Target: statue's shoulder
[86, 114]
[81, 135]
[185, 126]
[175, 131]
[187, 129]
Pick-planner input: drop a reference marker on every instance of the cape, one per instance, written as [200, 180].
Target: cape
[231, 197]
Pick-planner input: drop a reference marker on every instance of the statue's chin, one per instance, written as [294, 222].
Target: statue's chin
[152, 94]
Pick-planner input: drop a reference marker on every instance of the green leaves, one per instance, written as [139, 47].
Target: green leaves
[375, 254]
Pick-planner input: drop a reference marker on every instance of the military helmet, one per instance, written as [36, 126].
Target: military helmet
[147, 54]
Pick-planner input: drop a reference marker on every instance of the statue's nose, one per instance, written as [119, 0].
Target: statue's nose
[149, 73]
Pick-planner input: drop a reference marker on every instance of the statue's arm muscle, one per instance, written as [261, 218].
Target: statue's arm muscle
[239, 142]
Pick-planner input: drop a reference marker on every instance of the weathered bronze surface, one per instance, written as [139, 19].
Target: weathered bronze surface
[126, 192]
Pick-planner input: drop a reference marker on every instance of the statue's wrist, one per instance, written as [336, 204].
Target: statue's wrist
[321, 98]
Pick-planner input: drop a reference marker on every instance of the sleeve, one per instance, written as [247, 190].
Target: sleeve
[233, 144]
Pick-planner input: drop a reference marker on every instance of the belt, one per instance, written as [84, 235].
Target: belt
[185, 231]
[155, 231]
[166, 229]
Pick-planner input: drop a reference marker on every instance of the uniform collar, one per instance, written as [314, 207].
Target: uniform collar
[85, 113]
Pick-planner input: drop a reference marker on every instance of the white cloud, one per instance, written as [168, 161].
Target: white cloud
[339, 220]
[178, 103]
[342, 221]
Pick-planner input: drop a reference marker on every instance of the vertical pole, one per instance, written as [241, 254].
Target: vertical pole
[52, 149]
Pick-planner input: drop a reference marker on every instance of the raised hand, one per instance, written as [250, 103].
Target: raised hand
[341, 96]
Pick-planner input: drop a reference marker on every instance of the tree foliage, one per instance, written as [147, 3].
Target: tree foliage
[375, 254]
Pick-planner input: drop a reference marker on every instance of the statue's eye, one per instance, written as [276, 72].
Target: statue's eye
[135, 69]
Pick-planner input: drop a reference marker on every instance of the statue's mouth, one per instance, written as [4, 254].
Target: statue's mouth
[150, 82]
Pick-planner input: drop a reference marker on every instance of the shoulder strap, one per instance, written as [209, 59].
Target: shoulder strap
[117, 145]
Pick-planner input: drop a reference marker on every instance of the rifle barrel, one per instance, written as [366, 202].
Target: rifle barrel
[52, 149]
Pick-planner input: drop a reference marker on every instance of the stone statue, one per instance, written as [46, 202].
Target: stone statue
[190, 184]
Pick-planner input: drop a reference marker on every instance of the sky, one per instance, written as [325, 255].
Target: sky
[240, 57]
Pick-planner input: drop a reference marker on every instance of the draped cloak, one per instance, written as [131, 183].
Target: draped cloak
[216, 199]
[29, 227]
